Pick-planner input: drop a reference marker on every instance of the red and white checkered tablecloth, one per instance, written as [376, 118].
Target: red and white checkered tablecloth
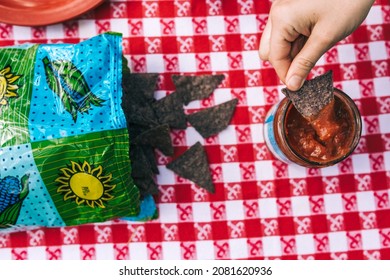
[262, 208]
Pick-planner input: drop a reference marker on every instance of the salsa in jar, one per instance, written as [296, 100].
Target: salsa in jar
[323, 141]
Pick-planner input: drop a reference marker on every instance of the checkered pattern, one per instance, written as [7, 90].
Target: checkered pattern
[262, 208]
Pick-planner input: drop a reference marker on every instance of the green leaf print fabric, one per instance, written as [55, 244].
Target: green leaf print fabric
[64, 157]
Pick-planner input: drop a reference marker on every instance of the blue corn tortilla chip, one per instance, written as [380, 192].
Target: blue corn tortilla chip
[141, 86]
[142, 115]
[158, 137]
[192, 88]
[169, 110]
[193, 165]
[138, 95]
[140, 165]
[150, 155]
[146, 185]
[143, 170]
[211, 121]
[313, 96]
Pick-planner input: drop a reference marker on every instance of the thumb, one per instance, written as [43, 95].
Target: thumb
[305, 60]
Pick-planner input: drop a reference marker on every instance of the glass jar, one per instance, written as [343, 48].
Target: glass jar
[290, 146]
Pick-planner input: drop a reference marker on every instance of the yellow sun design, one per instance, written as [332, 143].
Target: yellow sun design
[7, 87]
[85, 184]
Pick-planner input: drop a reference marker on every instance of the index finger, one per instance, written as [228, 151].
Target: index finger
[280, 49]
[265, 41]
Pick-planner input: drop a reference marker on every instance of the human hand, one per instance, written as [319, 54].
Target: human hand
[299, 32]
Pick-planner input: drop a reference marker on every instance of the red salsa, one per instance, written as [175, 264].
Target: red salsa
[327, 137]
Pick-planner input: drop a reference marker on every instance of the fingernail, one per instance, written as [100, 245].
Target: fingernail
[295, 83]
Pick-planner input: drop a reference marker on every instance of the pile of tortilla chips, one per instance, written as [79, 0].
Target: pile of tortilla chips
[149, 122]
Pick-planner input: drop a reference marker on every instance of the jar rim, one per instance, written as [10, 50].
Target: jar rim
[355, 140]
